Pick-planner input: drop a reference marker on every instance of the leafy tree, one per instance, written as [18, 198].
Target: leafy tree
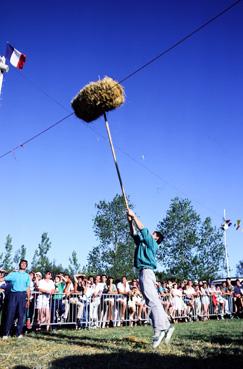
[180, 230]
[239, 268]
[114, 254]
[74, 265]
[191, 249]
[41, 262]
[95, 263]
[7, 256]
[208, 258]
[19, 254]
[57, 268]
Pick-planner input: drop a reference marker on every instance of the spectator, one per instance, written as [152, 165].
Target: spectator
[109, 301]
[19, 299]
[229, 290]
[227, 295]
[165, 297]
[123, 290]
[68, 290]
[2, 291]
[87, 295]
[46, 289]
[79, 282]
[57, 308]
[189, 299]
[31, 309]
[205, 300]
[2, 287]
[197, 301]
[96, 300]
[238, 298]
[38, 277]
[177, 303]
[221, 302]
[135, 305]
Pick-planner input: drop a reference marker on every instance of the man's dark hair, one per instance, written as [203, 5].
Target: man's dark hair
[160, 235]
[23, 260]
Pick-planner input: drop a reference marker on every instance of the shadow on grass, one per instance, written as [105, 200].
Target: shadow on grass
[135, 360]
[218, 339]
[84, 341]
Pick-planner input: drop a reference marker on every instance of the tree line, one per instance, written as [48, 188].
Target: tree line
[193, 248]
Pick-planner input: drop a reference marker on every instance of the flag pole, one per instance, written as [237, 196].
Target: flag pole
[225, 248]
[3, 68]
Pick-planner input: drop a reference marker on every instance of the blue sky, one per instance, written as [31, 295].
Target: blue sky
[178, 134]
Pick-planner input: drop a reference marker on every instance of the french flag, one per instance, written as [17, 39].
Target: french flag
[16, 58]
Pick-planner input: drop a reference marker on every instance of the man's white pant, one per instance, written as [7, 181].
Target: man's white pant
[158, 316]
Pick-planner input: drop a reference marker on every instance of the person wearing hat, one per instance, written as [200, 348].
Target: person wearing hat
[19, 298]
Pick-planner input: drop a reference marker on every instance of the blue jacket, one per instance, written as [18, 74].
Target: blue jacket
[145, 251]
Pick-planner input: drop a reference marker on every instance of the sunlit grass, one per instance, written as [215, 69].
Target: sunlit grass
[194, 345]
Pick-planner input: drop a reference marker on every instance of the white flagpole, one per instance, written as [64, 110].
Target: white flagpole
[225, 248]
[3, 69]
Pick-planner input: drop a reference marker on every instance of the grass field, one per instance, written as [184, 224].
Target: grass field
[204, 345]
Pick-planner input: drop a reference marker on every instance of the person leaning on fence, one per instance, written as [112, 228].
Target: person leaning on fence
[228, 290]
[109, 301]
[19, 299]
[238, 298]
[46, 289]
[189, 298]
[123, 289]
[79, 283]
[68, 290]
[145, 262]
[205, 300]
[57, 308]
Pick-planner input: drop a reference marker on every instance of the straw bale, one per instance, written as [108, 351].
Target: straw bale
[96, 98]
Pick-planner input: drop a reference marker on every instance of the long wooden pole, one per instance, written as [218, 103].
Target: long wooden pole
[115, 160]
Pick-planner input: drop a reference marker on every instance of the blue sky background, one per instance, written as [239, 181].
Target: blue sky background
[178, 134]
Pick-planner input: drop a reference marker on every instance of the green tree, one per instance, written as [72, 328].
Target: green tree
[7, 256]
[19, 254]
[208, 259]
[114, 254]
[74, 266]
[239, 269]
[57, 268]
[180, 230]
[191, 249]
[41, 262]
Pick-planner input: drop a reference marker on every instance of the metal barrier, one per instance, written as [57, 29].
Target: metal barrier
[198, 308]
[107, 310]
[113, 310]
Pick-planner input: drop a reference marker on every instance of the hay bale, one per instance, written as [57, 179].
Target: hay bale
[96, 98]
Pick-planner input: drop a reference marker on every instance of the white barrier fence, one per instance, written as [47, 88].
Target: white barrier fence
[115, 310]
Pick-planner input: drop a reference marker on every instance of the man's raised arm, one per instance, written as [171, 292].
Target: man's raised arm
[132, 217]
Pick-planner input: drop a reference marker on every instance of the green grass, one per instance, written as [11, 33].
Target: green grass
[204, 345]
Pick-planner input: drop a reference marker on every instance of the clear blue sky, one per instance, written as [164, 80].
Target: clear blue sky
[178, 134]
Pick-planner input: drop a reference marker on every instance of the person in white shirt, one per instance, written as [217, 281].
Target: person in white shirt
[46, 288]
[123, 289]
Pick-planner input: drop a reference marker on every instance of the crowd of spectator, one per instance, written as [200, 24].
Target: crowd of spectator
[101, 301]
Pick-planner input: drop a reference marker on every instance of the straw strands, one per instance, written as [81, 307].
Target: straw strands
[96, 98]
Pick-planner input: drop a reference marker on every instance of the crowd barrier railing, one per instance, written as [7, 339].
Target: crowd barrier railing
[107, 310]
[114, 310]
[199, 307]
